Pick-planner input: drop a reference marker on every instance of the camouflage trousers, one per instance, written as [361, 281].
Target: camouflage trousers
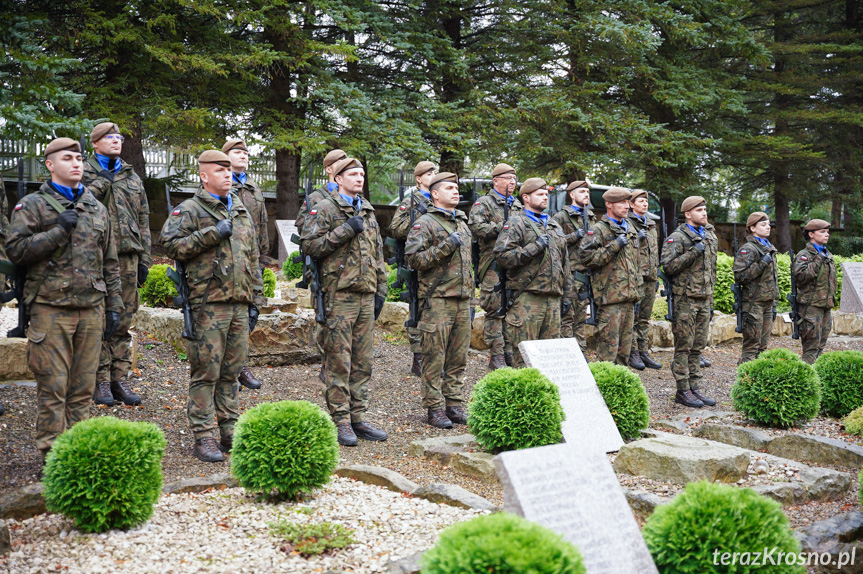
[572, 323]
[642, 319]
[757, 323]
[115, 359]
[614, 332]
[445, 329]
[690, 328]
[815, 326]
[531, 318]
[215, 360]
[63, 352]
[493, 328]
[347, 341]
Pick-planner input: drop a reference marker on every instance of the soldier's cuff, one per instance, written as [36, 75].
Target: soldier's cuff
[58, 235]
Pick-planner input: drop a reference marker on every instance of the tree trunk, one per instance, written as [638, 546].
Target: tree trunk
[783, 210]
[133, 148]
[836, 213]
[287, 184]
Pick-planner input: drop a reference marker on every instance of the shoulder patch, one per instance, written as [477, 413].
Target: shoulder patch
[590, 232]
[743, 251]
[506, 226]
[403, 207]
[176, 212]
[477, 203]
[803, 257]
[19, 206]
[313, 212]
[417, 226]
[670, 240]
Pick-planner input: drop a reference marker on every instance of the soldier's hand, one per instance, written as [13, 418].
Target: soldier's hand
[642, 234]
[767, 258]
[253, 317]
[379, 305]
[579, 233]
[68, 220]
[700, 246]
[422, 208]
[622, 241]
[455, 239]
[142, 274]
[225, 228]
[107, 174]
[112, 321]
[565, 306]
[355, 223]
[542, 241]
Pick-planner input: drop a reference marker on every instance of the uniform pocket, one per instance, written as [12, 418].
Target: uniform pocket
[427, 331]
[38, 357]
[514, 320]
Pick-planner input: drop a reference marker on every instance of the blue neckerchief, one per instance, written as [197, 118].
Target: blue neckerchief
[220, 198]
[357, 203]
[640, 218]
[427, 194]
[699, 231]
[621, 223]
[241, 177]
[67, 191]
[537, 217]
[331, 187]
[576, 209]
[508, 198]
[820, 249]
[442, 210]
[103, 162]
[763, 242]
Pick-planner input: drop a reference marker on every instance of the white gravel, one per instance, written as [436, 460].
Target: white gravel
[226, 531]
[8, 318]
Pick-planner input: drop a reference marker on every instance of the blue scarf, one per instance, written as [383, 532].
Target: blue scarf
[576, 209]
[331, 187]
[241, 177]
[622, 223]
[820, 249]
[640, 218]
[537, 217]
[221, 200]
[68, 192]
[508, 198]
[442, 210]
[103, 162]
[357, 203]
[764, 242]
[699, 231]
[427, 194]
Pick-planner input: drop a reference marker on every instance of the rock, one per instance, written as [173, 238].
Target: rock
[201, 483]
[284, 339]
[836, 536]
[817, 450]
[442, 448]
[642, 503]
[722, 329]
[850, 324]
[301, 297]
[476, 464]
[743, 437]
[454, 496]
[786, 493]
[5, 539]
[408, 565]
[698, 415]
[160, 324]
[393, 317]
[476, 339]
[660, 335]
[812, 483]
[278, 304]
[13, 360]
[23, 503]
[668, 424]
[136, 340]
[378, 476]
[780, 327]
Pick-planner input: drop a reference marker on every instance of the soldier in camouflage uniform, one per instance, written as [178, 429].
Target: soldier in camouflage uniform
[63, 235]
[438, 247]
[214, 235]
[323, 192]
[399, 228]
[4, 229]
[815, 273]
[572, 222]
[532, 248]
[114, 183]
[343, 235]
[755, 272]
[610, 250]
[648, 263]
[485, 222]
[689, 260]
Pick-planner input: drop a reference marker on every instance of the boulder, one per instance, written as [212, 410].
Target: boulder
[201, 484]
[781, 327]
[454, 496]
[393, 317]
[817, 450]
[669, 424]
[23, 503]
[479, 465]
[849, 324]
[302, 297]
[743, 437]
[5, 539]
[160, 324]
[378, 476]
[284, 339]
[13, 360]
[476, 339]
[277, 304]
[810, 483]
[642, 503]
[722, 329]
[409, 565]
[442, 448]
[836, 536]
[660, 335]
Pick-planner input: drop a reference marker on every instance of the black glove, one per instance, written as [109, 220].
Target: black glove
[579, 233]
[622, 240]
[142, 274]
[422, 208]
[355, 223]
[107, 174]
[225, 227]
[379, 306]
[68, 220]
[642, 234]
[253, 317]
[565, 306]
[700, 246]
[454, 239]
[542, 241]
[112, 321]
[767, 258]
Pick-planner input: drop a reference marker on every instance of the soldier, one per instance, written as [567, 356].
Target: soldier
[648, 263]
[689, 259]
[63, 235]
[815, 273]
[324, 192]
[755, 271]
[572, 222]
[4, 230]
[343, 235]
[114, 183]
[438, 247]
[214, 235]
[532, 248]
[485, 222]
[399, 228]
[610, 250]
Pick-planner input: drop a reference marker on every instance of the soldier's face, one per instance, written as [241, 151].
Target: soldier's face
[536, 201]
[66, 167]
[820, 237]
[618, 209]
[762, 229]
[239, 160]
[698, 215]
[351, 181]
[424, 180]
[109, 145]
[216, 178]
[580, 196]
[639, 206]
[504, 184]
[446, 195]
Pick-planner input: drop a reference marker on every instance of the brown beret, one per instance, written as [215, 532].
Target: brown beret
[345, 164]
[616, 194]
[817, 224]
[62, 144]
[214, 156]
[443, 176]
[333, 157]
[756, 217]
[636, 193]
[234, 144]
[531, 185]
[104, 128]
[502, 169]
[423, 167]
[576, 184]
[692, 202]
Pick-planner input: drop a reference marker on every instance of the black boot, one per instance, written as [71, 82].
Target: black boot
[417, 366]
[496, 362]
[706, 400]
[207, 450]
[687, 399]
[438, 419]
[2, 410]
[347, 437]
[321, 375]
[248, 380]
[648, 361]
[102, 395]
[456, 414]
[635, 360]
[704, 362]
[123, 393]
[227, 443]
[507, 358]
[366, 431]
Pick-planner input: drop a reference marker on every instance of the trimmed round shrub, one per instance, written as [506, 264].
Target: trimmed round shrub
[691, 533]
[105, 473]
[290, 269]
[269, 282]
[853, 422]
[777, 389]
[860, 484]
[284, 449]
[158, 290]
[504, 544]
[841, 376]
[515, 408]
[625, 397]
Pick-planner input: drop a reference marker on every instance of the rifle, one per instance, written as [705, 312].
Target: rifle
[736, 290]
[792, 298]
[18, 274]
[312, 267]
[81, 143]
[588, 284]
[178, 277]
[168, 198]
[474, 252]
[505, 302]
[667, 286]
[303, 283]
[410, 277]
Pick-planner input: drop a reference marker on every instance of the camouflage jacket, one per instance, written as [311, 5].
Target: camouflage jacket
[4, 221]
[486, 222]
[539, 271]
[571, 222]
[126, 200]
[349, 262]
[228, 267]
[759, 279]
[77, 269]
[693, 273]
[252, 197]
[815, 275]
[648, 249]
[616, 274]
[314, 198]
[401, 223]
[443, 270]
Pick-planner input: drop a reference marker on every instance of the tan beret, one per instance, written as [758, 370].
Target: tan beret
[61, 144]
[345, 164]
[636, 193]
[443, 176]
[423, 167]
[577, 184]
[756, 217]
[214, 156]
[531, 185]
[104, 128]
[817, 224]
[333, 157]
[692, 202]
[502, 169]
[616, 194]
[234, 144]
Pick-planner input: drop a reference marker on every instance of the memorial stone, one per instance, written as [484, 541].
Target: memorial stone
[286, 228]
[852, 288]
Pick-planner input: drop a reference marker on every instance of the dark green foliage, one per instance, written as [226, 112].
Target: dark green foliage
[394, 293]
[504, 544]
[515, 408]
[158, 290]
[625, 397]
[288, 447]
[846, 245]
[853, 422]
[105, 473]
[290, 269]
[841, 375]
[723, 299]
[683, 534]
[777, 389]
[313, 539]
[269, 282]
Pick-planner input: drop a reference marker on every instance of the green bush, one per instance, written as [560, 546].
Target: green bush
[723, 299]
[777, 389]
[504, 544]
[625, 397]
[394, 293]
[660, 309]
[515, 408]
[269, 283]
[841, 376]
[846, 246]
[290, 269]
[313, 538]
[105, 473]
[158, 290]
[853, 422]
[289, 447]
[684, 535]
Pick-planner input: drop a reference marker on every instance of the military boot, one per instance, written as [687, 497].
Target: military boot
[687, 399]
[704, 362]
[123, 393]
[102, 395]
[417, 366]
[648, 361]
[321, 376]
[635, 360]
[366, 431]
[227, 443]
[248, 380]
[507, 357]
[438, 419]
[706, 400]
[496, 362]
[2, 410]
[347, 437]
[456, 414]
[207, 450]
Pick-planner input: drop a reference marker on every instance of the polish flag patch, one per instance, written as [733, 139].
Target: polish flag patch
[671, 240]
[477, 203]
[19, 206]
[506, 226]
[417, 226]
[313, 212]
[176, 212]
[590, 232]
[403, 208]
[803, 257]
[743, 251]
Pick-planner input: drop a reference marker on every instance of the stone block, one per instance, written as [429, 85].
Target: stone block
[201, 484]
[479, 465]
[23, 503]
[642, 503]
[442, 447]
[817, 450]
[408, 565]
[13, 360]
[660, 334]
[284, 339]
[743, 437]
[722, 329]
[847, 324]
[476, 339]
[378, 476]
[454, 496]
[393, 317]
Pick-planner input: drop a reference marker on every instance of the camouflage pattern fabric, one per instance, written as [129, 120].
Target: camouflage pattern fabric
[616, 273]
[4, 221]
[614, 332]
[399, 229]
[531, 318]
[690, 329]
[315, 197]
[531, 268]
[759, 291]
[816, 278]
[445, 328]
[115, 359]
[572, 323]
[815, 326]
[444, 269]
[757, 323]
[648, 248]
[645, 310]
[253, 198]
